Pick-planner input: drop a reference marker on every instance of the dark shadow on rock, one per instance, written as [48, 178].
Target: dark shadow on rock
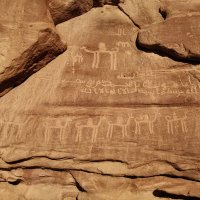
[163, 194]
[100, 3]
[164, 52]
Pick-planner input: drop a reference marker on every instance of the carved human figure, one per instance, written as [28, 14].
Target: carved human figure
[77, 58]
[91, 125]
[74, 58]
[145, 119]
[173, 120]
[50, 125]
[102, 49]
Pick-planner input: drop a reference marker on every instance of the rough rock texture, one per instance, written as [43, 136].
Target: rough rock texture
[112, 117]
[142, 12]
[28, 40]
[63, 10]
[178, 35]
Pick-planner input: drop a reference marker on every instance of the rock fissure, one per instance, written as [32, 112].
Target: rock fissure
[163, 194]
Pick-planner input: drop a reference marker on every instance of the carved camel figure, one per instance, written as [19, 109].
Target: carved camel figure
[91, 125]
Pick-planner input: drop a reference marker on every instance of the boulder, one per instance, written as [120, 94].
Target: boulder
[28, 41]
[63, 10]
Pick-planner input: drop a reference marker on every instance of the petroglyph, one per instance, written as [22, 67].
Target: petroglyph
[123, 44]
[114, 115]
[126, 84]
[120, 123]
[90, 124]
[59, 125]
[121, 31]
[173, 121]
[12, 130]
[145, 120]
[102, 49]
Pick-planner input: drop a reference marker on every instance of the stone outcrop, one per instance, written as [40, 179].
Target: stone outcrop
[28, 40]
[142, 12]
[178, 34]
[115, 116]
[63, 10]
[180, 43]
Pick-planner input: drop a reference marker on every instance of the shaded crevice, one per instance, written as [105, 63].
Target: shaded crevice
[163, 13]
[163, 194]
[129, 105]
[118, 106]
[34, 157]
[77, 184]
[81, 189]
[68, 170]
[172, 174]
[164, 175]
[122, 10]
[174, 165]
[16, 182]
[100, 3]
[165, 52]
[108, 160]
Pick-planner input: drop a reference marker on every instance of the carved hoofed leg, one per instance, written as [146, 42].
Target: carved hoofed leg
[137, 128]
[94, 136]
[151, 128]
[78, 135]
[46, 136]
[184, 127]
[124, 131]
[108, 132]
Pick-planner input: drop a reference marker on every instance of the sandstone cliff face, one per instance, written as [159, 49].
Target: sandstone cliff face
[115, 115]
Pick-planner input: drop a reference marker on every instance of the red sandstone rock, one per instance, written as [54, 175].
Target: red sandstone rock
[63, 10]
[28, 41]
[106, 119]
[180, 42]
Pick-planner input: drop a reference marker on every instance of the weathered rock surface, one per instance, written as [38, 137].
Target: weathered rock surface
[63, 10]
[179, 8]
[178, 36]
[180, 43]
[142, 12]
[106, 119]
[28, 40]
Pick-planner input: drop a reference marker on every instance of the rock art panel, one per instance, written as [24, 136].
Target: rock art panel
[104, 120]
